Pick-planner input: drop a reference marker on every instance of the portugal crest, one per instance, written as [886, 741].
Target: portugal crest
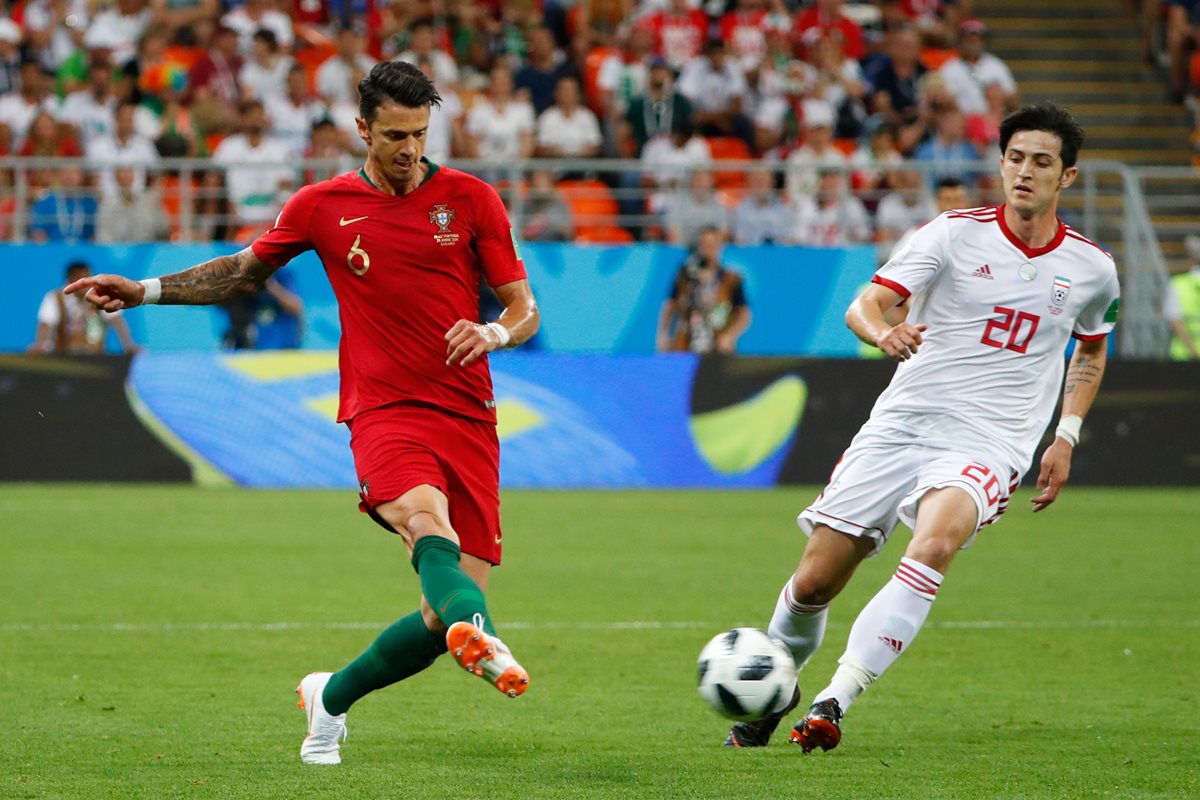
[442, 215]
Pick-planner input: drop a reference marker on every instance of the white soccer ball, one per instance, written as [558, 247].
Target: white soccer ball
[746, 675]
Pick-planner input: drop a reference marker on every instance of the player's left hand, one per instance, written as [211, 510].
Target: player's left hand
[467, 341]
[1056, 468]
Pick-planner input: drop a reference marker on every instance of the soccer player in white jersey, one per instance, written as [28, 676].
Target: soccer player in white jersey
[993, 296]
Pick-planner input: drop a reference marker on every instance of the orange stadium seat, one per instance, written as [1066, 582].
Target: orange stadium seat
[729, 148]
[593, 210]
[847, 146]
[591, 71]
[312, 57]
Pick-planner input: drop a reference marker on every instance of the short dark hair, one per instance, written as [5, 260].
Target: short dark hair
[949, 182]
[78, 265]
[267, 37]
[395, 80]
[1045, 117]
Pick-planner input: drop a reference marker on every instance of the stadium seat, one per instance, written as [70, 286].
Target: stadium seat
[729, 148]
[593, 210]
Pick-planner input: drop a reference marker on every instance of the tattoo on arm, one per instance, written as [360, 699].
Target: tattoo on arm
[217, 281]
[1083, 370]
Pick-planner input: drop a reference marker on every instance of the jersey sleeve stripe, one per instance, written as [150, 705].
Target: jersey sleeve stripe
[895, 287]
[1089, 337]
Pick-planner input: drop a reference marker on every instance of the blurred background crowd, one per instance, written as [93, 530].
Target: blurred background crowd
[844, 116]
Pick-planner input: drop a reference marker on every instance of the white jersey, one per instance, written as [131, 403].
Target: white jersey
[999, 314]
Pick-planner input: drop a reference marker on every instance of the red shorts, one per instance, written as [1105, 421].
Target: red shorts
[399, 447]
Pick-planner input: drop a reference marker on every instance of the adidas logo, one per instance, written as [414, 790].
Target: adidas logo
[983, 272]
[895, 645]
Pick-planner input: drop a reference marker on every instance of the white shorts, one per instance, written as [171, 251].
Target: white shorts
[881, 478]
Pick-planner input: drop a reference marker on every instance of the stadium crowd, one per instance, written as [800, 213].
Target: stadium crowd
[844, 114]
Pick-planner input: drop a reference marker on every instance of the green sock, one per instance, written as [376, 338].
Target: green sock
[455, 597]
[404, 649]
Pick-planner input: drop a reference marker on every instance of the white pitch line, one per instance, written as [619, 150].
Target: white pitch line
[632, 625]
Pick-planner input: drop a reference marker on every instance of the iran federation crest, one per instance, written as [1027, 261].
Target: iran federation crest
[1062, 287]
[442, 215]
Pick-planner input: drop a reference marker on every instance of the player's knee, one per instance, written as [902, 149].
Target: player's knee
[935, 552]
[813, 589]
[429, 523]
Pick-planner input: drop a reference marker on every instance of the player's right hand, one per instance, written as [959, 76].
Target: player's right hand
[900, 342]
[108, 292]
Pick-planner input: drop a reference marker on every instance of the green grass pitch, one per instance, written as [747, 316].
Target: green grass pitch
[151, 639]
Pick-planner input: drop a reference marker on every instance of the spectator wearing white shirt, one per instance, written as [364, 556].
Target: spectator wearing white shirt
[257, 168]
[131, 214]
[294, 113]
[834, 217]
[716, 86]
[10, 56]
[256, 14]
[908, 204]
[623, 75]
[968, 74]
[445, 136]
[761, 218]
[119, 28]
[567, 128]
[423, 44]
[818, 151]
[336, 76]
[695, 209]
[56, 29]
[265, 73]
[500, 126]
[18, 109]
[124, 147]
[92, 110]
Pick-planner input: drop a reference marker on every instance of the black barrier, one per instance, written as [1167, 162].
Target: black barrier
[1144, 428]
[67, 418]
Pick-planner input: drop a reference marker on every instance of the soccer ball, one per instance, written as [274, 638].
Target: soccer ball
[746, 675]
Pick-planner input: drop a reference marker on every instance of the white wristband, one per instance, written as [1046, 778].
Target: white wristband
[502, 332]
[1068, 429]
[153, 288]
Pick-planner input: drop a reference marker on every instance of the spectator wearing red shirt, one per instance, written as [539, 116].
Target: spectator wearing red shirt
[744, 30]
[679, 32]
[825, 18]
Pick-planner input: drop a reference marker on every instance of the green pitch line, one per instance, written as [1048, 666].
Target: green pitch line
[141, 659]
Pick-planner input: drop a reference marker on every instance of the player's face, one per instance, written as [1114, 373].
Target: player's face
[396, 140]
[1032, 172]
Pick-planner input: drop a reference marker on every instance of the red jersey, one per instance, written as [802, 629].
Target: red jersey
[837, 25]
[404, 269]
[745, 34]
[678, 38]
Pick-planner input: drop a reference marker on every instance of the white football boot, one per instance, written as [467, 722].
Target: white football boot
[325, 731]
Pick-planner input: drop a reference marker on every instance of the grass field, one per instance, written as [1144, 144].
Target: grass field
[151, 639]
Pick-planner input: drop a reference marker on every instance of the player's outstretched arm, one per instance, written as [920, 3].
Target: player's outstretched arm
[466, 341]
[1079, 390]
[217, 281]
[871, 317]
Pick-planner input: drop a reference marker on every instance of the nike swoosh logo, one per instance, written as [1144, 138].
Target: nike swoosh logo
[449, 600]
[344, 222]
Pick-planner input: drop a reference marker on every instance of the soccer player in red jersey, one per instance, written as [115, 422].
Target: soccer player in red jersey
[404, 242]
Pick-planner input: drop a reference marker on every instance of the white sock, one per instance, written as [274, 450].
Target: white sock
[799, 626]
[884, 629]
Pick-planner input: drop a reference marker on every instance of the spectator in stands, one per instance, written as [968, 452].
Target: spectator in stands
[908, 204]
[1183, 35]
[834, 217]
[544, 215]
[896, 86]
[623, 76]
[327, 142]
[56, 29]
[272, 318]
[423, 43]
[92, 110]
[951, 193]
[66, 212]
[69, 324]
[818, 151]
[716, 87]
[872, 164]
[124, 146]
[761, 218]
[969, 74]
[1181, 306]
[133, 214]
[213, 82]
[691, 211]
[119, 28]
[568, 129]
[654, 114]
[825, 18]
[265, 73]
[777, 113]
[257, 172]
[744, 29]
[500, 126]
[18, 109]
[334, 75]
[934, 20]
[10, 56]
[253, 15]
[185, 22]
[947, 148]
[706, 309]
[48, 139]
[544, 65]
[667, 161]
[446, 135]
[680, 32]
[838, 81]
[294, 112]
